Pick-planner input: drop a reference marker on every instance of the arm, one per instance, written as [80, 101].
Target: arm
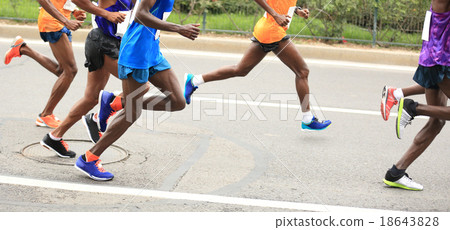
[114, 17]
[144, 17]
[282, 20]
[51, 9]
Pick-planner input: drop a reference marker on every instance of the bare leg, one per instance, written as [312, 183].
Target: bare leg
[413, 90]
[62, 50]
[96, 82]
[45, 61]
[251, 58]
[289, 55]
[122, 122]
[439, 112]
[425, 136]
[167, 82]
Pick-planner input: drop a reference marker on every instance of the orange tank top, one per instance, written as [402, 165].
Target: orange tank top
[267, 29]
[47, 23]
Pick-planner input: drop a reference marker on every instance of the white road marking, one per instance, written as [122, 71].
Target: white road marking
[296, 107]
[268, 58]
[179, 196]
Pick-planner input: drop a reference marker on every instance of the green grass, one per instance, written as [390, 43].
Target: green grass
[26, 9]
[29, 10]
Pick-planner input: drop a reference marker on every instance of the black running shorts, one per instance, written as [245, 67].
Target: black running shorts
[269, 47]
[97, 45]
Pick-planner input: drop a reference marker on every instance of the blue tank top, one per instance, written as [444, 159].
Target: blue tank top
[108, 27]
[141, 51]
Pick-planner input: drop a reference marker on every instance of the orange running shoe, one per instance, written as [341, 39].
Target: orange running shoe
[48, 121]
[387, 101]
[14, 51]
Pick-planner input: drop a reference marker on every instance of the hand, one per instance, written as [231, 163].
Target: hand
[80, 15]
[73, 24]
[303, 13]
[282, 20]
[115, 17]
[190, 31]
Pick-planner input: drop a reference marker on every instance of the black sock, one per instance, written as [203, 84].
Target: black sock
[413, 108]
[396, 172]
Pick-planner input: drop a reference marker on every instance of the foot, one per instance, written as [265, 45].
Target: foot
[105, 112]
[315, 125]
[48, 121]
[387, 101]
[92, 127]
[93, 169]
[189, 88]
[406, 113]
[402, 181]
[14, 51]
[59, 147]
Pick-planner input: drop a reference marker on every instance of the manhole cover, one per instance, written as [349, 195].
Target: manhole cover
[38, 153]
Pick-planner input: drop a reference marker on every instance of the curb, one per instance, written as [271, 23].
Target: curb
[235, 45]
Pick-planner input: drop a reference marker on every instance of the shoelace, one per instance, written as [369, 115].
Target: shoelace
[65, 145]
[99, 166]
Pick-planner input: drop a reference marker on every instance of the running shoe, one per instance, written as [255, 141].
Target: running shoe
[387, 101]
[93, 169]
[14, 51]
[105, 112]
[48, 121]
[406, 113]
[402, 181]
[59, 147]
[189, 87]
[315, 125]
[92, 127]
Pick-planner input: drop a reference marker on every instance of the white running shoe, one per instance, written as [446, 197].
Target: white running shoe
[404, 182]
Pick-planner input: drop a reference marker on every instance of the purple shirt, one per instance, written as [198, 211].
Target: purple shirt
[436, 51]
[108, 27]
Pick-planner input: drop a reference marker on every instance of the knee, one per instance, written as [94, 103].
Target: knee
[70, 71]
[177, 103]
[303, 73]
[437, 124]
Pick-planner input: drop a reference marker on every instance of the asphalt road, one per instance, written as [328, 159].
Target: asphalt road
[237, 154]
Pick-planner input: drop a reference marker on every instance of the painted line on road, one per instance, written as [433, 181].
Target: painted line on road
[268, 58]
[180, 196]
[291, 106]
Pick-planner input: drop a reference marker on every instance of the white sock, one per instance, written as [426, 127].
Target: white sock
[54, 138]
[398, 94]
[307, 117]
[198, 80]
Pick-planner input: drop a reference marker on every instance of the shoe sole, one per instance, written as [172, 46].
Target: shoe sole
[51, 149]
[314, 130]
[91, 176]
[384, 102]
[87, 128]
[41, 123]
[396, 185]
[399, 117]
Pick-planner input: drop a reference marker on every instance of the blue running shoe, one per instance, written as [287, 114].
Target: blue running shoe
[93, 169]
[316, 125]
[105, 112]
[189, 88]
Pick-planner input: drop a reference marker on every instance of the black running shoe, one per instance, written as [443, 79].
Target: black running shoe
[92, 127]
[60, 147]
